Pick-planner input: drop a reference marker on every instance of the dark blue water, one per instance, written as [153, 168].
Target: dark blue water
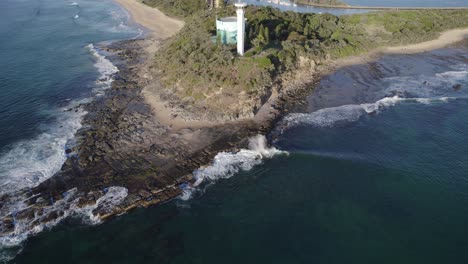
[46, 67]
[376, 173]
[49, 64]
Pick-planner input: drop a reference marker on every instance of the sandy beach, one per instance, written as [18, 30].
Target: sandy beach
[159, 25]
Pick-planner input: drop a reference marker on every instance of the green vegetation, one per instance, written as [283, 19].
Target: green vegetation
[197, 69]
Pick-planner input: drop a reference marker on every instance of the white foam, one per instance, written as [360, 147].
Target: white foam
[426, 86]
[106, 70]
[68, 207]
[27, 163]
[76, 16]
[73, 4]
[329, 117]
[457, 75]
[226, 164]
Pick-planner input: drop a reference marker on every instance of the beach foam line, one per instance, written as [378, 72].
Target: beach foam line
[227, 164]
[106, 69]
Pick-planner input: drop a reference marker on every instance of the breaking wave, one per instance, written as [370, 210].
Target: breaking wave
[67, 207]
[106, 70]
[30, 162]
[329, 117]
[427, 86]
[27, 163]
[226, 164]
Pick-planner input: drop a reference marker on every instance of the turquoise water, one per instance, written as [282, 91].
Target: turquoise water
[367, 180]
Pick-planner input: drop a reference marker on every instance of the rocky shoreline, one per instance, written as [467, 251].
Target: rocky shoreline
[122, 144]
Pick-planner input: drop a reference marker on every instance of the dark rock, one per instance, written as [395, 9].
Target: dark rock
[26, 214]
[7, 225]
[457, 87]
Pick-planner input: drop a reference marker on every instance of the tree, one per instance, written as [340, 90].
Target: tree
[261, 32]
[266, 35]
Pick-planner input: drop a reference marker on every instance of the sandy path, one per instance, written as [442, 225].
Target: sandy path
[446, 38]
[160, 25]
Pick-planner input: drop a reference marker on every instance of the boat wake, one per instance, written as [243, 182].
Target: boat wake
[227, 164]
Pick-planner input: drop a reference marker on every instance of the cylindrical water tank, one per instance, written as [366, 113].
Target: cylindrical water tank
[226, 29]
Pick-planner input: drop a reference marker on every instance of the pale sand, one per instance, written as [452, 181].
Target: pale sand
[163, 27]
[446, 38]
[159, 25]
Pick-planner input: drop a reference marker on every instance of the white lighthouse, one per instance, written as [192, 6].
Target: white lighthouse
[240, 26]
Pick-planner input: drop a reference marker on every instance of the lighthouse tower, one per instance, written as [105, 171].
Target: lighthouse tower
[240, 26]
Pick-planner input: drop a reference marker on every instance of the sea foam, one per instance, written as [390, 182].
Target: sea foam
[329, 117]
[27, 163]
[66, 207]
[227, 164]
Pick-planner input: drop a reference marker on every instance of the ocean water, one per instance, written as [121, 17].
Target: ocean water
[50, 63]
[406, 3]
[374, 170]
[288, 5]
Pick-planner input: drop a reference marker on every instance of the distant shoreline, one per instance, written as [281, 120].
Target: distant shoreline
[445, 38]
[383, 7]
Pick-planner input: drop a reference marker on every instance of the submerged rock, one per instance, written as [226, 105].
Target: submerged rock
[457, 87]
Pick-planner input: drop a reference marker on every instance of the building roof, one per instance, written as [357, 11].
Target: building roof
[228, 19]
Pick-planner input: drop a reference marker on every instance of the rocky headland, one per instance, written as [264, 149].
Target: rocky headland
[142, 141]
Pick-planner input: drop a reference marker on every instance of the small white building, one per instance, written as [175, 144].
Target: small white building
[231, 30]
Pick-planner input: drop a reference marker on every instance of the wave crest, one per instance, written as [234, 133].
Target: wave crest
[226, 164]
[329, 117]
